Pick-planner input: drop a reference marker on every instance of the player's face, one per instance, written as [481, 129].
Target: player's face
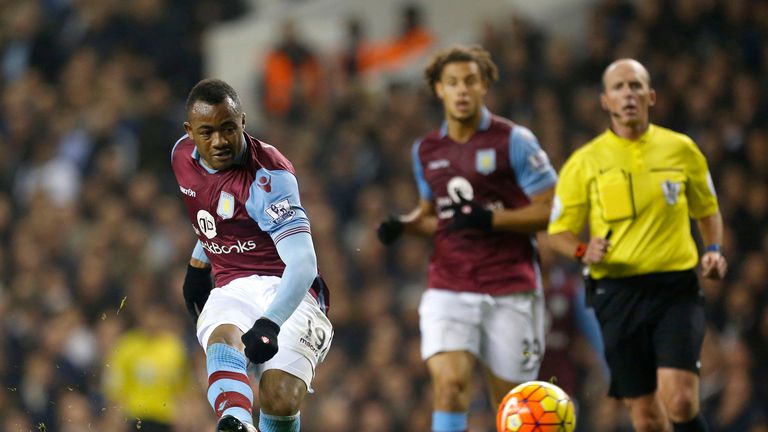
[627, 96]
[217, 131]
[461, 88]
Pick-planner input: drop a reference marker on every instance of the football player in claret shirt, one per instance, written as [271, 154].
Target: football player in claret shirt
[486, 188]
[269, 303]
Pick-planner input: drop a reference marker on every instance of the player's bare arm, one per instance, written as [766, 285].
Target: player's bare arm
[196, 263]
[713, 263]
[528, 219]
[422, 220]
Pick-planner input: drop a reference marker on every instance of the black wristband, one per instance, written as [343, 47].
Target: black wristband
[198, 272]
[197, 287]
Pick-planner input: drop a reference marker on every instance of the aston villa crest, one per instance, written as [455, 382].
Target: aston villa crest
[226, 207]
[485, 161]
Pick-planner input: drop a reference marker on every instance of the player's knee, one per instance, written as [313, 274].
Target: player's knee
[650, 424]
[450, 387]
[648, 415]
[227, 334]
[649, 421]
[281, 396]
[681, 407]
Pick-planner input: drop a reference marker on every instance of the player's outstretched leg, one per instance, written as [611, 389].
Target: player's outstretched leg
[229, 391]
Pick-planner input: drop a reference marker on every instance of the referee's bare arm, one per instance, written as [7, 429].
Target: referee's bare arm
[713, 263]
[567, 243]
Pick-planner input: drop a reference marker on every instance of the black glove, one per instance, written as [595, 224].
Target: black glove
[390, 230]
[469, 214]
[261, 341]
[197, 288]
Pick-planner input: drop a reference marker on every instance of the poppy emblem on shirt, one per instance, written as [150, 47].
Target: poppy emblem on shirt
[485, 161]
[226, 207]
[264, 182]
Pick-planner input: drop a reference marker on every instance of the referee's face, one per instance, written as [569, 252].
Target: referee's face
[627, 94]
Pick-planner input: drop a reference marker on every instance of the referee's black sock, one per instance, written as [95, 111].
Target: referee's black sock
[696, 424]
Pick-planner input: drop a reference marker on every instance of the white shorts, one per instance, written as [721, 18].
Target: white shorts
[304, 338]
[506, 333]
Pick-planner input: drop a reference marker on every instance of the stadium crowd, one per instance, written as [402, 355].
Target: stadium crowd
[93, 241]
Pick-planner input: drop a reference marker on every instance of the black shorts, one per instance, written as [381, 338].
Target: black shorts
[647, 322]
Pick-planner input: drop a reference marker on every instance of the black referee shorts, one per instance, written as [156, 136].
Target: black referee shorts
[647, 322]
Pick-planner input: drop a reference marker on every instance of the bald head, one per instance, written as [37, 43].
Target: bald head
[627, 96]
[626, 64]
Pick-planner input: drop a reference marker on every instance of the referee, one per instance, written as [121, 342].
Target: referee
[638, 185]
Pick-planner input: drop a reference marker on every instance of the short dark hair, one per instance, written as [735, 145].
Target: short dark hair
[460, 53]
[213, 91]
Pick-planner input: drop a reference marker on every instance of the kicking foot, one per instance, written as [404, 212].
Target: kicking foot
[230, 423]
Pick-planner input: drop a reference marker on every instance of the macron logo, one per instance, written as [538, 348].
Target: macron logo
[437, 164]
[186, 191]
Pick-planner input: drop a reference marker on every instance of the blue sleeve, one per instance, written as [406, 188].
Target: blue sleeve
[274, 204]
[173, 150]
[418, 172]
[532, 169]
[199, 253]
[298, 254]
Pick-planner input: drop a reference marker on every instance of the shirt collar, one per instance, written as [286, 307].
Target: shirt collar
[643, 138]
[485, 122]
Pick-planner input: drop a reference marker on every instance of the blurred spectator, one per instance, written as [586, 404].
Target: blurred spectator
[159, 123]
[413, 40]
[55, 178]
[292, 77]
[355, 48]
[735, 407]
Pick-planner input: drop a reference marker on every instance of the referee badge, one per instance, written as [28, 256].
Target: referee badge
[671, 191]
[485, 161]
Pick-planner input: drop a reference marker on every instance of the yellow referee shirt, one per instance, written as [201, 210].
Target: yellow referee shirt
[644, 192]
